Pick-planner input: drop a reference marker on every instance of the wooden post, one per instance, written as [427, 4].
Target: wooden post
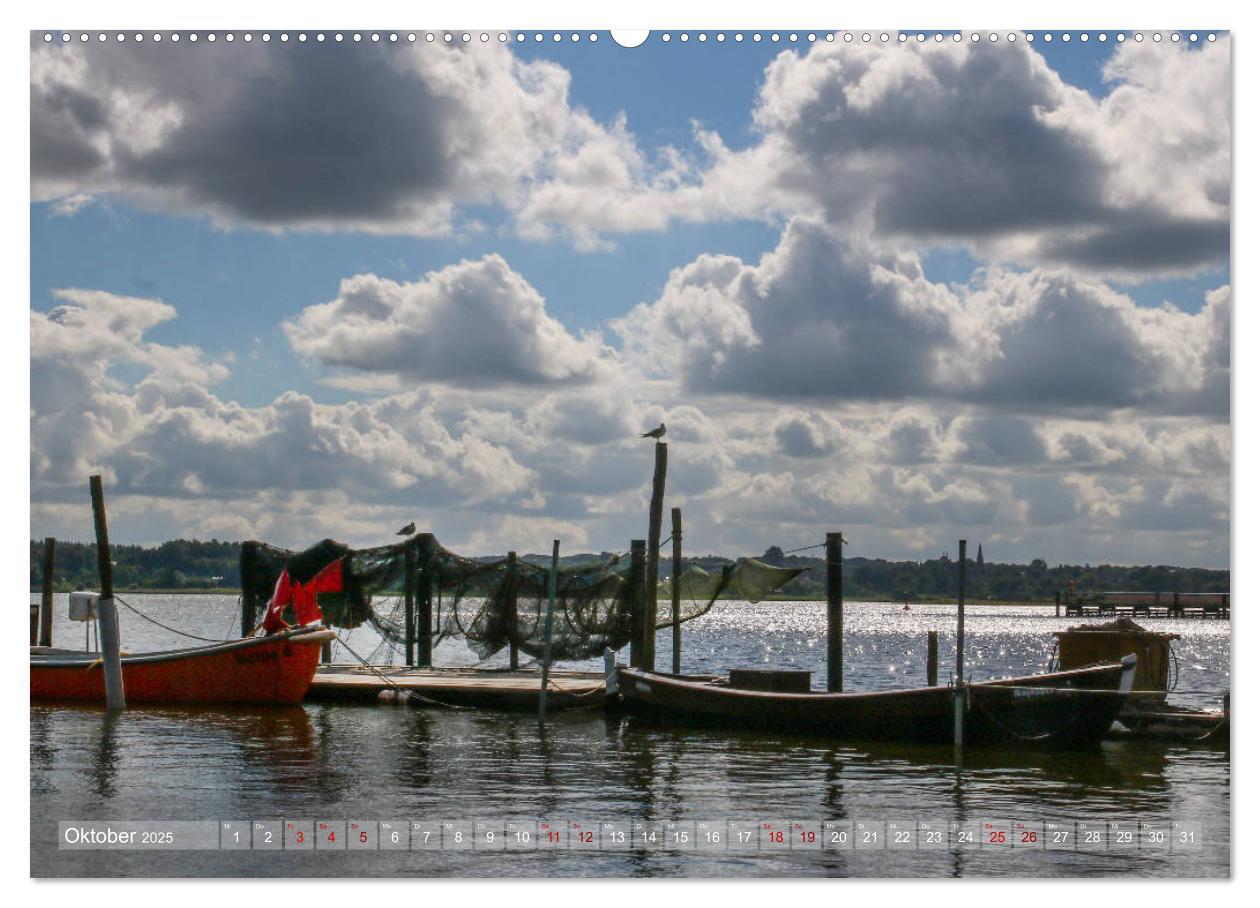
[106, 610]
[959, 688]
[249, 601]
[34, 624]
[1056, 603]
[249, 612]
[835, 613]
[933, 644]
[46, 593]
[409, 603]
[1176, 606]
[636, 595]
[514, 656]
[675, 588]
[654, 554]
[551, 611]
[424, 605]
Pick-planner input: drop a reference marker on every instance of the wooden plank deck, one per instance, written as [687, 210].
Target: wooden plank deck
[484, 688]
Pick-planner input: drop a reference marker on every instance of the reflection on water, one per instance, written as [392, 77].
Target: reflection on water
[388, 763]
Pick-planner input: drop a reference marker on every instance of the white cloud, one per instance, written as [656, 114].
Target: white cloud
[377, 137]
[474, 323]
[824, 317]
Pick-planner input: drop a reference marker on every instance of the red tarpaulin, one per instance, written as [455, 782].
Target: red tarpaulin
[301, 596]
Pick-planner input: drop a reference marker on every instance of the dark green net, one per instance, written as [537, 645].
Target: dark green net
[492, 604]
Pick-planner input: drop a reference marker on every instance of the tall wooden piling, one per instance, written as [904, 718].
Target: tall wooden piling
[959, 688]
[424, 603]
[654, 552]
[46, 592]
[514, 656]
[106, 610]
[675, 588]
[551, 611]
[249, 601]
[249, 612]
[835, 613]
[636, 595]
[1056, 603]
[34, 624]
[933, 651]
[409, 604]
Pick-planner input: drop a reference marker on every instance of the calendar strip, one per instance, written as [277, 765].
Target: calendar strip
[644, 835]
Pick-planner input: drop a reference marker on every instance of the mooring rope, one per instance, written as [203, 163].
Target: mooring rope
[397, 687]
[167, 627]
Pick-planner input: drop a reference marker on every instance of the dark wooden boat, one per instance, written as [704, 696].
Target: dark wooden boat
[1071, 708]
[273, 669]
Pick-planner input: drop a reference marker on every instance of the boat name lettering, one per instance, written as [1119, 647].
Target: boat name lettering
[267, 655]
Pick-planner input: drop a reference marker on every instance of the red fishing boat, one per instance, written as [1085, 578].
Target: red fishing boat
[272, 669]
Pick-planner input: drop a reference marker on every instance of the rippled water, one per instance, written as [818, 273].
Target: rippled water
[369, 762]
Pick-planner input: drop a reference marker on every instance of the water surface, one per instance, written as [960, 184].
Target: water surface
[370, 762]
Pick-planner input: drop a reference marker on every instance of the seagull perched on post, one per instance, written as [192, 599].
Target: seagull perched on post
[407, 530]
[655, 433]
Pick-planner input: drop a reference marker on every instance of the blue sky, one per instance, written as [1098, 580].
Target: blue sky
[136, 228]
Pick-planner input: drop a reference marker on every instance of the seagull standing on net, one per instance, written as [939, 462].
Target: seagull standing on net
[408, 530]
[655, 433]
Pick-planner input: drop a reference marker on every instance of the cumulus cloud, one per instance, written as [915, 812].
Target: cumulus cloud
[943, 143]
[986, 145]
[168, 435]
[474, 323]
[815, 317]
[381, 137]
[823, 316]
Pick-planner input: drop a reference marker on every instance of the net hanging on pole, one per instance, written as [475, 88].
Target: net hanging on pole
[491, 603]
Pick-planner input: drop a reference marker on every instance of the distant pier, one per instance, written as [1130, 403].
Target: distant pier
[1145, 605]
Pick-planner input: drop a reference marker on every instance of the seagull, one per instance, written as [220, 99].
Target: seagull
[407, 530]
[655, 433]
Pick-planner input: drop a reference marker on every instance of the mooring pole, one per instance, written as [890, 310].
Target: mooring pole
[835, 613]
[409, 603]
[636, 595]
[249, 601]
[654, 553]
[675, 588]
[514, 657]
[249, 611]
[960, 691]
[46, 593]
[1056, 603]
[424, 617]
[933, 644]
[551, 611]
[106, 610]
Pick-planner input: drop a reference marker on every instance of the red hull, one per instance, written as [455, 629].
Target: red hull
[276, 669]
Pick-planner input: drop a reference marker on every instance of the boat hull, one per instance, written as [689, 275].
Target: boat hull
[1072, 709]
[275, 669]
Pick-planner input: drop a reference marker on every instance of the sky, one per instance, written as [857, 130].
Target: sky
[914, 291]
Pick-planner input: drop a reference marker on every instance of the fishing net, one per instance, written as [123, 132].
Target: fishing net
[492, 604]
[747, 579]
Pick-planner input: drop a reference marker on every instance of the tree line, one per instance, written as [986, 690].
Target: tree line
[188, 564]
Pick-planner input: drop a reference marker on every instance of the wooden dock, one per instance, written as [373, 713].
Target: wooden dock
[457, 687]
[1148, 605]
